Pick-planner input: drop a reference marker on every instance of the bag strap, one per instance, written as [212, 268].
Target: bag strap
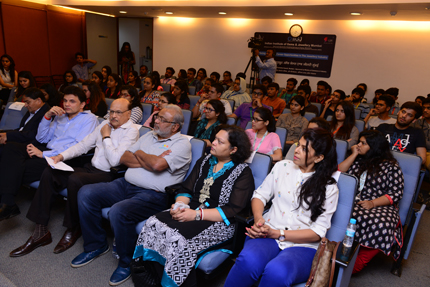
[321, 248]
[333, 263]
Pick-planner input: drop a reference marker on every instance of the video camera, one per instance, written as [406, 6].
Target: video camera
[255, 43]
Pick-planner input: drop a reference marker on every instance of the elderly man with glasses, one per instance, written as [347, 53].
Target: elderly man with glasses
[158, 159]
[110, 139]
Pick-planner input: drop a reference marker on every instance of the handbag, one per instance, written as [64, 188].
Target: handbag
[322, 270]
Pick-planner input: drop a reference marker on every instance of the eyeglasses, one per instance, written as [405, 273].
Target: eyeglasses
[209, 109]
[161, 119]
[119, 113]
[163, 102]
[257, 94]
[257, 120]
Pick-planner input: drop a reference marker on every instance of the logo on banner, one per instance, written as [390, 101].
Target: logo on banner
[292, 39]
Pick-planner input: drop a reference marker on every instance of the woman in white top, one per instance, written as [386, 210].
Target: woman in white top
[281, 244]
[262, 135]
[8, 77]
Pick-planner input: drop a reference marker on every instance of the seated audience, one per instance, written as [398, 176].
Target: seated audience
[110, 139]
[149, 94]
[379, 194]
[278, 105]
[97, 77]
[237, 93]
[191, 79]
[130, 94]
[330, 104]
[218, 188]
[357, 97]
[106, 72]
[322, 94]
[143, 71]
[401, 136]
[205, 89]
[424, 124]
[378, 93]
[215, 76]
[295, 123]
[52, 96]
[134, 80]
[158, 159]
[22, 163]
[70, 79]
[8, 77]
[114, 84]
[25, 81]
[202, 75]
[379, 114]
[226, 79]
[263, 135]
[289, 91]
[34, 101]
[180, 91]
[168, 77]
[419, 100]
[207, 127]
[305, 92]
[279, 249]
[265, 81]
[319, 122]
[343, 124]
[82, 66]
[246, 111]
[214, 93]
[157, 82]
[96, 102]
[394, 92]
[363, 86]
[304, 82]
[182, 75]
[165, 99]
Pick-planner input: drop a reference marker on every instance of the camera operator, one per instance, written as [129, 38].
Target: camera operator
[268, 66]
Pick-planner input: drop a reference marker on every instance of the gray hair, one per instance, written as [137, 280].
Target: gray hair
[178, 116]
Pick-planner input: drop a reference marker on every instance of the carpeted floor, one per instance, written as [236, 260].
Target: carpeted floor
[44, 268]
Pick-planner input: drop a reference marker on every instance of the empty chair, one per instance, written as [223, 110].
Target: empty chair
[187, 120]
[192, 90]
[147, 111]
[12, 118]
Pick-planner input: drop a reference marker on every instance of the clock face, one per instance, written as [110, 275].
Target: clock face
[296, 30]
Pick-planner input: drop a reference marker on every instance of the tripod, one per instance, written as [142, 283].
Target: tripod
[255, 72]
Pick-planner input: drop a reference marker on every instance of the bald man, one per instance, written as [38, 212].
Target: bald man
[110, 140]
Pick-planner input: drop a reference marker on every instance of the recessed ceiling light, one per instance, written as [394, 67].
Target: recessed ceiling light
[222, 13]
[356, 13]
[288, 14]
[169, 13]
[123, 12]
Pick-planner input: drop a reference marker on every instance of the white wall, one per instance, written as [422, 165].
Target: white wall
[382, 54]
[129, 32]
[102, 49]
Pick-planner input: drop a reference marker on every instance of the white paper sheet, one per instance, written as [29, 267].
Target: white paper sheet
[16, 106]
[60, 165]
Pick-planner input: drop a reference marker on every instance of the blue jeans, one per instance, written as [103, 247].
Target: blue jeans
[262, 258]
[129, 204]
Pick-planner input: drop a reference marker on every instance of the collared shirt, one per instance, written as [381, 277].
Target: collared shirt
[169, 81]
[178, 160]
[267, 67]
[82, 72]
[108, 151]
[283, 184]
[62, 133]
[29, 118]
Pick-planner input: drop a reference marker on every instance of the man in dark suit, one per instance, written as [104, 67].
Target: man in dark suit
[34, 101]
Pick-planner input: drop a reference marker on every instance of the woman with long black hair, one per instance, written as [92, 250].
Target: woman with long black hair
[380, 191]
[180, 91]
[8, 76]
[281, 244]
[343, 123]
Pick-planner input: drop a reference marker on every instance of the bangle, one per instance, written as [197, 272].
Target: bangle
[47, 118]
[202, 214]
[373, 205]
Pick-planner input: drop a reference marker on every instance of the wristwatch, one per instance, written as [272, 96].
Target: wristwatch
[197, 215]
[282, 237]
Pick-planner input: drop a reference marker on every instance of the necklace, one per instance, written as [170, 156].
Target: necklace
[210, 179]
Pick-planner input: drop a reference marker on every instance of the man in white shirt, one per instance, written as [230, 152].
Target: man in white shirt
[379, 114]
[110, 139]
[214, 93]
[268, 66]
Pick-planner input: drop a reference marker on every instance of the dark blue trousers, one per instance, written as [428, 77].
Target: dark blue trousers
[129, 204]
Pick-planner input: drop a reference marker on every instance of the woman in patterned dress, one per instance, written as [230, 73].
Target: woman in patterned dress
[380, 190]
[219, 186]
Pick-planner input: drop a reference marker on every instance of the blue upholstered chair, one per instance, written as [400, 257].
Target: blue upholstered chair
[232, 103]
[11, 95]
[192, 90]
[409, 216]
[286, 111]
[187, 120]
[231, 121]
[359, 124]
[109, 102]
[318, 105]
[341, 148]
[147, 111]
[309, 116]
[12, 118]
[193, 100]
[357, 114]
[166, 87]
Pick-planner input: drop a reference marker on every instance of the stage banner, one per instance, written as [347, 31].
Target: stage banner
[307, 55]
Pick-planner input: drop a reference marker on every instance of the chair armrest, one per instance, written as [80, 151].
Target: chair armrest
[343, 260]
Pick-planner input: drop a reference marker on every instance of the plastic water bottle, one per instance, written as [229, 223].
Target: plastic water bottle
[349, 237]
[114, 254]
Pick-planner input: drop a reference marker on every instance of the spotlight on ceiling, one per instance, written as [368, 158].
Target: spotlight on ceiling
[288, 14]
[222, 13]
[393, 13]
[356, 13]
[169, 13]
[123, 12]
